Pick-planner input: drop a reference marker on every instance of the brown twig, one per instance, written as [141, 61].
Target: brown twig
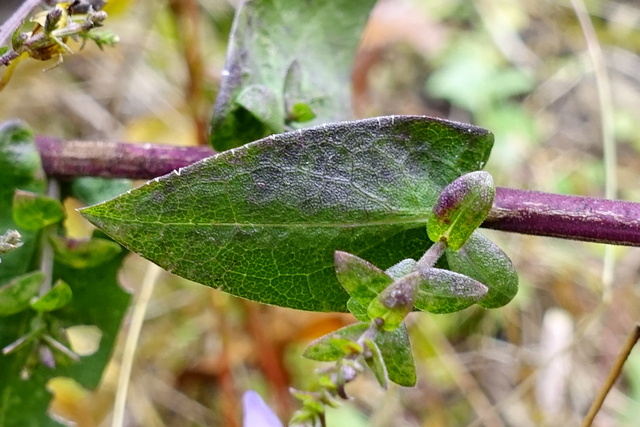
[616, 369]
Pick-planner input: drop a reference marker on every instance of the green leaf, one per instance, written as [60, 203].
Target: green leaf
[402, 268]
[97, 300]
[361, 279]
[395, 348]
[444, 291]
[84, 253]
[264, 105]
[376, 364]
[461, 208]
[33, 211]
[263, 221]
[301, 112]
[484, 261]
[20, 168]
[395, 302]
[336, 344]
[57, 297]
[296, 53]
[91, 190]
[15, 295]
[358, 310]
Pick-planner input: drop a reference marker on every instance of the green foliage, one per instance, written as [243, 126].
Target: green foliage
[35, 314]
[263, 221]
[33, 211]
[20, 168]
[484, 261]
[57, 297]
[288, 65]
[461, 208]
[16, 295]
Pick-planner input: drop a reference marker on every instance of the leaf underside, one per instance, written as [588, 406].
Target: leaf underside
[263, 221]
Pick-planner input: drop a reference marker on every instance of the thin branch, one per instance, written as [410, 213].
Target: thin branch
[519, 211]
[16, 19]
[614, 373]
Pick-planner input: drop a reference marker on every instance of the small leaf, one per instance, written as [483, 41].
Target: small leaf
[402, 268]
[264, 105]
[376, 364]
[33, 211]
[336, 344]
[84, 253]
[358, 310]
[395, 348]
[484, 261]
[15, 295]
[301, 113]
[443, 291]
[461, 208]
[395, 302]
[57, 297]
[361, 279]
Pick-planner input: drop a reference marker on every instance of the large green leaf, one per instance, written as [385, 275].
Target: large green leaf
[20, 168]
[97, 300]
[263, 221]
[287, 65]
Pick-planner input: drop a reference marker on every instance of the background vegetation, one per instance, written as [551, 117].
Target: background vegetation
[519, 68]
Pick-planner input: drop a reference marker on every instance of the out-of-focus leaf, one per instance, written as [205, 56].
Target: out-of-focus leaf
[97, 300]
[461, 208]
[336, 344]
[20, 168]
[91, 190]
[33, 211]
[57, 297]
[263, 221]
[288, 52]
[484, 261]
[15, 295]
[84, 253]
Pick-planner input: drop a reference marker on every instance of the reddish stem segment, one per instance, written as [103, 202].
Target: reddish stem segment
[71, 159]
[568, 217]
[520, 211]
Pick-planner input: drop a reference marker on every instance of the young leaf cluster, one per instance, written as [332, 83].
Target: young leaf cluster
[381, 300]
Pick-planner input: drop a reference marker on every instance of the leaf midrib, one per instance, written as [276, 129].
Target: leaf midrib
[418, 221]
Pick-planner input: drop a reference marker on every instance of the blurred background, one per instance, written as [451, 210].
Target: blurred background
[520, 68]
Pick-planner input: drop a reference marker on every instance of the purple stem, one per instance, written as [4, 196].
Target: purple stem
[519, 211]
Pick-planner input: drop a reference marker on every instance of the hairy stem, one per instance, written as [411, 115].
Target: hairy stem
[519, 211]
[16, 19]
